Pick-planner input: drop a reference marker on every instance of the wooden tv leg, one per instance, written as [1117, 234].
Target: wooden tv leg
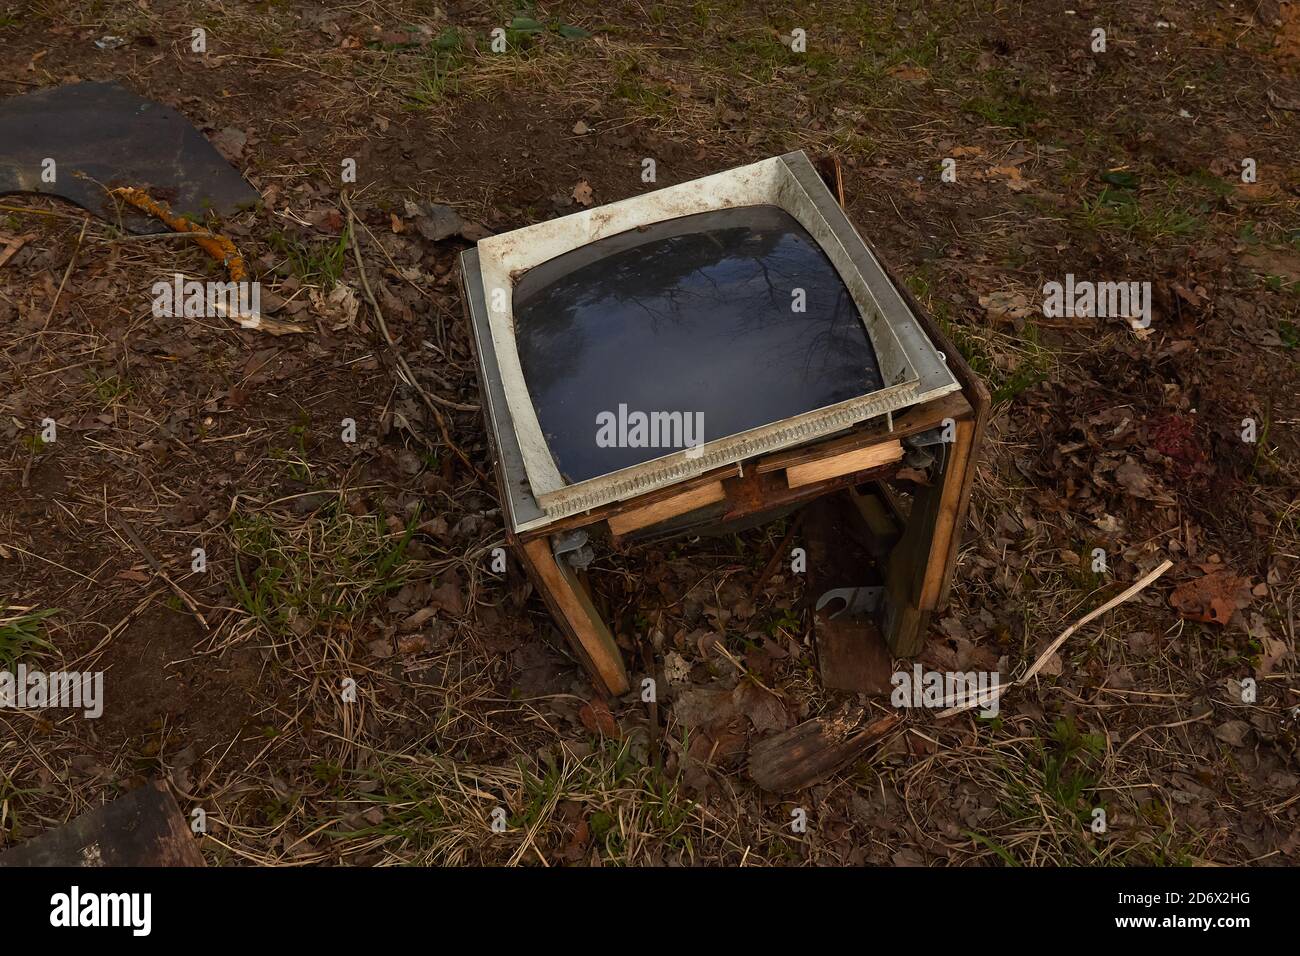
[571, 606]
[921, 564]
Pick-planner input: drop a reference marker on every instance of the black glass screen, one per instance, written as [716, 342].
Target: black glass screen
[697, 317]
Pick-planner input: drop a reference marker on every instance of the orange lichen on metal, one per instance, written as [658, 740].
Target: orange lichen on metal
[217, 246]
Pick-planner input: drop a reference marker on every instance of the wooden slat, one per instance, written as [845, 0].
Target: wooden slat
[921, 564]
[850, 461]
[571, 605]
[876, 517]
[596, 515]
[919, 418]
[938, 570]
[658, 511]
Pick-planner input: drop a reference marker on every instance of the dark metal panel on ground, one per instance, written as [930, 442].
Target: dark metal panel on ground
[141, 828]
[101, 136]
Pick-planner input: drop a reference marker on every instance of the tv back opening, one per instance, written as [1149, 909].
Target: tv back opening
[636, 345]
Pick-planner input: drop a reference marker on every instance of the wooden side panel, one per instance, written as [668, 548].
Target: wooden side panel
[571, 606]
[921, 564]
[851, 652]
[952, 505]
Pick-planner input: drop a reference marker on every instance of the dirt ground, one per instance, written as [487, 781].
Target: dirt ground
[370, 561]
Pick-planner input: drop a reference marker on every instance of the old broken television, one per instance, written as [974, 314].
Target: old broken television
[635, 345]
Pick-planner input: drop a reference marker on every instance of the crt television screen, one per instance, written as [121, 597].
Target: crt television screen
[717, 322]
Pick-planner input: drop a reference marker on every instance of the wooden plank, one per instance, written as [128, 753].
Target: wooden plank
[877, 518]
[680, 504]
[142, 828]
[916, 419]
[981, 404]
[597, 515]
[850, 461]
[756, 494]
[571, 606]
[904, 631]
[943, 545]
[921, 564]
[810, 752]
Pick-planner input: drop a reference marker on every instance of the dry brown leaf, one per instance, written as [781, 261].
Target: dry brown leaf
[908, 72]
[1134, 479]
[763, 708]
[1212, 598]
[1233, 732]
[596, 717]
[1005, 306]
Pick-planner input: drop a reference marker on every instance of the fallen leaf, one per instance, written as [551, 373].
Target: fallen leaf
[230, 143]
[1283, 101]
[908, 72]
[1012, 175]
[596, 717]
[419, 618]
[1005, 306]
[1052, 665]
[435, 221]
[1212, 598]
[473, 232]
[582, 193]
[1283, 263]
[676, 668]
[1134, 479]
[1274, 652]
[449, 597]
[704, 707]
[1233, 732]
[339, 307]
[763, 708]
[12, 245]
[412, 644]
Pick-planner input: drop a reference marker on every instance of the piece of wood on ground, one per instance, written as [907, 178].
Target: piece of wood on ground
[141, 828]
[12, 245]
[812, 751]
[1061, 638]
[859, 459]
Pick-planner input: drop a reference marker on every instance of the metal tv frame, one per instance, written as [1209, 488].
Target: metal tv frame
[914, 371]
